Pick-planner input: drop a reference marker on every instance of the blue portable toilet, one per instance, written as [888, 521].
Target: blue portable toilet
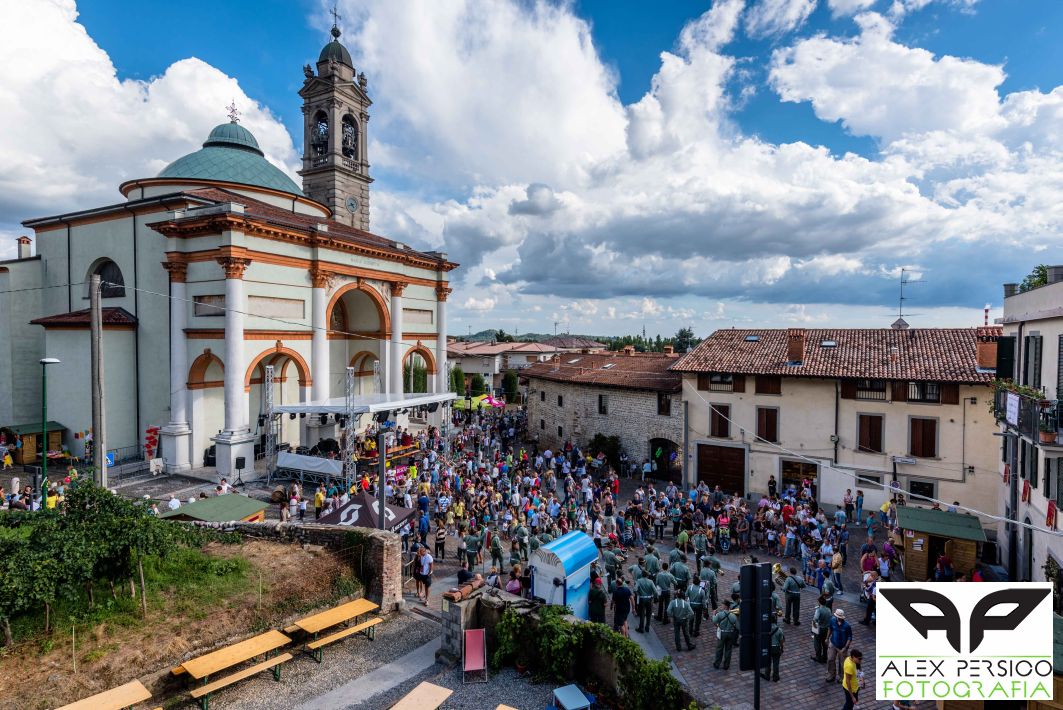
[561, 571]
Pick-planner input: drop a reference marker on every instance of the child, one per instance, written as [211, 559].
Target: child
[871, 525]
[771, 540]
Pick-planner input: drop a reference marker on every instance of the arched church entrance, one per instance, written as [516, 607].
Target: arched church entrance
[291, 384]
[359, 328]
[206, 403]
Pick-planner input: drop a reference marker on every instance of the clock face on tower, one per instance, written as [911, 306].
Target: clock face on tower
[352, 204]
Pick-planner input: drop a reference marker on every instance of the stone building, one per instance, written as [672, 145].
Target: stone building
[215, 268]
[491, 360]
[633, 396]
[845, 408]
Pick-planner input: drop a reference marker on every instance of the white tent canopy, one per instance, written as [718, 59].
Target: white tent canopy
[365, 403]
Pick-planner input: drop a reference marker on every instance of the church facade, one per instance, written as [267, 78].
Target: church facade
[215, 268]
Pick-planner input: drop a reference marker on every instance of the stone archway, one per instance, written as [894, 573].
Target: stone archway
[286, 390]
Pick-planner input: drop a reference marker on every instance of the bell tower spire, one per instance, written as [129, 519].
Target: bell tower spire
[335, 116]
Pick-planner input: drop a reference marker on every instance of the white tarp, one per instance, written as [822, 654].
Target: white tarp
[365, 403]
[333, 467]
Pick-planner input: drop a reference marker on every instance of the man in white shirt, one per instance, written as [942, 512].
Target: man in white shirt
[425, 564]
[174, 503]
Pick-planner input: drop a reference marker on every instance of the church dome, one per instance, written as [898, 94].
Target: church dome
[335, 51]
[231, 154]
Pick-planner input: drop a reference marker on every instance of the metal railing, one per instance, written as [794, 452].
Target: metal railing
[1029, 416]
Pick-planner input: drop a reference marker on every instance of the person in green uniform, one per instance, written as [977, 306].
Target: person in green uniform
[792, 589]
[727, 623]
[736, 590]
[701, 547]
[774, 652]
[681, 573]
[496, 549]
[828, 590]
[696, 596]
[665, 583]
[713, 561]
[472, 548]
[596, 602]
[821, 629]
[681, 613]
[651, 562]
[514, 554]
[645, 593]
[534, 542]
[609, 559]
[634, 570]
[521, 533]
[708, 576]
[675, 555]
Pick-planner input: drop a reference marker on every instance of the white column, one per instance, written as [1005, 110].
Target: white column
[235, 439]
[442, 385]
[397, 347]
[176, 436]
[319, 347]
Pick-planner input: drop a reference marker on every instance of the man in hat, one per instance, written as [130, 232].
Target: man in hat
[645, 593]
[665, 583]
[792, 589]
[840, 640]
[821, 629]
[775, 649]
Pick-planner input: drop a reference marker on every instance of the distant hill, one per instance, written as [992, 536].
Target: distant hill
[489, 335]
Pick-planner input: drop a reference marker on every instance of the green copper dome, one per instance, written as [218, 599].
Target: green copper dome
[335, 51]
[231, 154]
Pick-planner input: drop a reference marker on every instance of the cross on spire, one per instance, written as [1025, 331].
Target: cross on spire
[336, 17]
[234, 114]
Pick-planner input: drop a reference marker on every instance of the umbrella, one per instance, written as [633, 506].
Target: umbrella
[490, 401]
[362, 511]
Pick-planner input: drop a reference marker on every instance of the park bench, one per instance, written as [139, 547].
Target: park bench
[123, 696]
[426, 696]
[201, 668]
[202, 693]
[366, 627]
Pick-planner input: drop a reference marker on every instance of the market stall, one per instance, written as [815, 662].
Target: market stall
[929, 533]
[30, 437]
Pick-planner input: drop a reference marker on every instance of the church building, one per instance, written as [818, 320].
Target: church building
[215, 268]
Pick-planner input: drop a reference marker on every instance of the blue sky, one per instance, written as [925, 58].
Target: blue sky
[705, 163]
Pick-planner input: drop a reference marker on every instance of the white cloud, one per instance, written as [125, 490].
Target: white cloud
[481, 305]
[777, 17]
[73, 130]
[878, 87]
[840, 8]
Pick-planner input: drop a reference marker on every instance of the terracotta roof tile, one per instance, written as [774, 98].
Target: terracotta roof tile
[643, 371]
[571, 341]
[926, 354]
[111, 316]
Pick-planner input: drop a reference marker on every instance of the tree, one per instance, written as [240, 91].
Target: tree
[1037, 277]
[478, 386]
[502, 336]
[509, 385]
[457, 381]
[420, 376]
[684, 340]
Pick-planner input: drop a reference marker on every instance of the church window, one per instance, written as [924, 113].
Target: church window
[350, 137]
[112, 283]
[319, 134]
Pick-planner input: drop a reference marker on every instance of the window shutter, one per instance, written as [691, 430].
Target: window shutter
[917, 437]
[865, 432]
[703, 382]
[772, 421]
[762, 423]
[876, 433]
[930, 430]
[950, 393]
[848, 389]
[1059, 369]
[766, 384]
[900, 392]
[1035, 373]
[738, 383]
[1006, 357]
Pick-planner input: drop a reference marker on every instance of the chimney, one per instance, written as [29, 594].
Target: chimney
[795, 345]
[1010, 290]
[25, 248]
[986, 352]
[669, 350]
[629, 350]
[1055, 274]
[894, 353]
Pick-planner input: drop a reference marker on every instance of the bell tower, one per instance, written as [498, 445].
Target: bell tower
[335, 115]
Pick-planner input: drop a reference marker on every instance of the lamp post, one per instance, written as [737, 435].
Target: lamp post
[45, 362]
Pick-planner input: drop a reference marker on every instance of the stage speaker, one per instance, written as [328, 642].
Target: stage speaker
[240, 463]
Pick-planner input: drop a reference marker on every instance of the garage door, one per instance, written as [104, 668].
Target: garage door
[723, 466]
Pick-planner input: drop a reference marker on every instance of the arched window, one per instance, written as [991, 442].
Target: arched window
[113, 285]
[319, 134]
[350, 137]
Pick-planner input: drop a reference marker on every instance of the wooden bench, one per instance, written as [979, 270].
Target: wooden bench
[426, 696]
[366, 627]
[203, 692]
[289, 630]
[123, 696]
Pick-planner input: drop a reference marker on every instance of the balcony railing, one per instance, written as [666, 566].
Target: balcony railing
[1037, 419]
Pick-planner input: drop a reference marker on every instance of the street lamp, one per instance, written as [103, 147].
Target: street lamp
[45, 362]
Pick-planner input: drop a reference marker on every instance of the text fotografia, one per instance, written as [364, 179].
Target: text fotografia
[950, 641]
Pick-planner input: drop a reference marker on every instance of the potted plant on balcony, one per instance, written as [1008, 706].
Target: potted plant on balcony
[1048, 432]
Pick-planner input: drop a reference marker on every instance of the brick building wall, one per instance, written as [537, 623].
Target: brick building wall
[630, 414]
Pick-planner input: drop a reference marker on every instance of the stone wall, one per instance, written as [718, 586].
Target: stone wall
[376, 554]
[631, 415]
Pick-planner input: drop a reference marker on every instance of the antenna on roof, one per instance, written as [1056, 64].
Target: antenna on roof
[900, 323]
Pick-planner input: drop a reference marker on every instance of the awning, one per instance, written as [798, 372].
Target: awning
[34, 428]
[362, 511]
[365, 403]
[297, 462]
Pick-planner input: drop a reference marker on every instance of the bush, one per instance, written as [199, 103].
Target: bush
[478, 385]
[610, 446]
[509, 386]
[457, 381]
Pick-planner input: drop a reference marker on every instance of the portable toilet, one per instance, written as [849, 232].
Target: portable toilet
[561, 571]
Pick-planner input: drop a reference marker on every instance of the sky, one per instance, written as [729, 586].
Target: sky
[600, 166]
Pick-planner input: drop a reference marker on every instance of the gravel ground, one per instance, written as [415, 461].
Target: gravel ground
[504, 687]
[302, 678]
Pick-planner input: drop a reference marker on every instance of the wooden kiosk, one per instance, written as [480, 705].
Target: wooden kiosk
[929, 533]
[30, 452]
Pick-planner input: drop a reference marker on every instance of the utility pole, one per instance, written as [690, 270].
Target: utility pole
[382, 472]
[99, 433]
